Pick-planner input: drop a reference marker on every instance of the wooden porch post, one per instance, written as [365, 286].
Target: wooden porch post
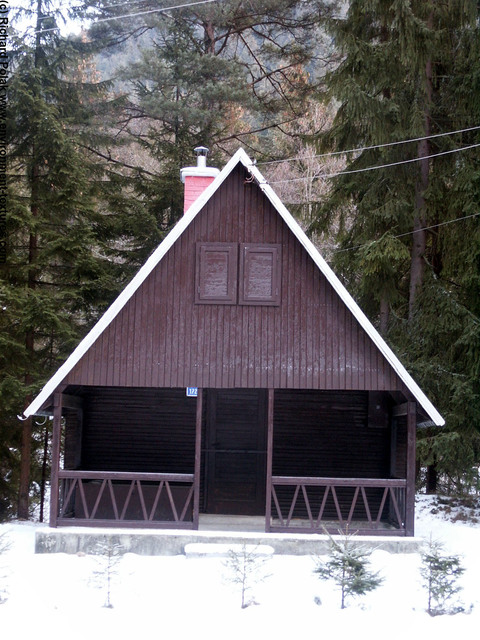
[198, 460]
[57, 427]
[410, 490]
[268, 501]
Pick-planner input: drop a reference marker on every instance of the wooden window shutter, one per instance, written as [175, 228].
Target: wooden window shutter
[216, 273]
[260, 274]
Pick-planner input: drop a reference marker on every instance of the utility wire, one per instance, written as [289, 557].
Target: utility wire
[375, 146]
[409, 233]
[68, 5]
[105, 7]
[380, 166]
[140, 13]
[117, 4]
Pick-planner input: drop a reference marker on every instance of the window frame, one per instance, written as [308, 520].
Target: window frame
[248, 249]
[231, 249]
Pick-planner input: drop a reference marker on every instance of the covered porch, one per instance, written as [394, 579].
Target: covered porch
[305, 461]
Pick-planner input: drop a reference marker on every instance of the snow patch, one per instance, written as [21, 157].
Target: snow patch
[51, 596]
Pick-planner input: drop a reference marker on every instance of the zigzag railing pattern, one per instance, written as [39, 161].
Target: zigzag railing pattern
[318, 504]
[125, 499]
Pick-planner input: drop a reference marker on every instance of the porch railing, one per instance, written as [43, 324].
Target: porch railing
[124, 499]
[366, 505]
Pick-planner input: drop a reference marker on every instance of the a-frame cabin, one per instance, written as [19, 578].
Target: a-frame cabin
[234, 375]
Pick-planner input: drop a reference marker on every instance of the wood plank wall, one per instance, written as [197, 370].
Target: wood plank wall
[326, 434]
[72, 445]
[163, 339]
[400, 467]
[151, 430]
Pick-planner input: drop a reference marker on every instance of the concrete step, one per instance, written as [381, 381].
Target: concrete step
[209, 522]
[173, 542]
[222, 550]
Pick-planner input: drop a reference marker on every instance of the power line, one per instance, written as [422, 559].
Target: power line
[409, 233]
[380, 166]
[375, 146]
[109, 6]
[120, 4]
[59, 5]
[140, 13]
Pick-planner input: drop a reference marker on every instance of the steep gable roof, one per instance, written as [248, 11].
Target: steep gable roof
[240, 157]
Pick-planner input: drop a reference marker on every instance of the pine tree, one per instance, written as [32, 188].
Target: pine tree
[219, 75]
[184, 95]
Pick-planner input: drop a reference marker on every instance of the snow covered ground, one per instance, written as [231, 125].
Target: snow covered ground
[59, 596]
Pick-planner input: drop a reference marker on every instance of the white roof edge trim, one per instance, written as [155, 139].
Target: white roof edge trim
[175, 233]
[346, 297]
[141, 275]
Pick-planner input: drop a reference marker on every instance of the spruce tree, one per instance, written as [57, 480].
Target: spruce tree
[348, 567]
[64, 261]
[108, 556]
[440, 573]
[246, 567]
[410, 72]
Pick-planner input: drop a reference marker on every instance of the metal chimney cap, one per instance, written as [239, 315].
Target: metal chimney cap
[201, 151]
[201, 170]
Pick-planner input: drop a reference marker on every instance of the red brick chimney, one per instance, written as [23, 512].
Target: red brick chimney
[197, 178]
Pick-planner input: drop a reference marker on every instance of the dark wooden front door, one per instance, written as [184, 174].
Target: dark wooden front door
[235, 448]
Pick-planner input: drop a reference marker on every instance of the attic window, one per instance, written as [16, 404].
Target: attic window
[259, 281]
[247, 274]
[216, 273]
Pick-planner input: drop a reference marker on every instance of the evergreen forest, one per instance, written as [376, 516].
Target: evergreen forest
[364, 115]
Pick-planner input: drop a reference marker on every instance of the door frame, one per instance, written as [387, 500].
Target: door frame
[208, 453]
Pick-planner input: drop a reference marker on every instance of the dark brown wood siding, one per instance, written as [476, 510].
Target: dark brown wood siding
[319, 433]
[162, 338]
[73, 439]
[399, 467]
[150, 430]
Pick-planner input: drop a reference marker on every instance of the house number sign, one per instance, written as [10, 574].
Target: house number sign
[192, 392]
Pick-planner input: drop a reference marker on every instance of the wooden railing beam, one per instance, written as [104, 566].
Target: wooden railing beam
[340, 482]
[126, 475]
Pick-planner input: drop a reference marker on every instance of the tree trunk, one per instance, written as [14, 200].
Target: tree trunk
[26, 446]
[209, 37]
[419, 242]
[431, 479]
[25, 455]
[384, 315]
